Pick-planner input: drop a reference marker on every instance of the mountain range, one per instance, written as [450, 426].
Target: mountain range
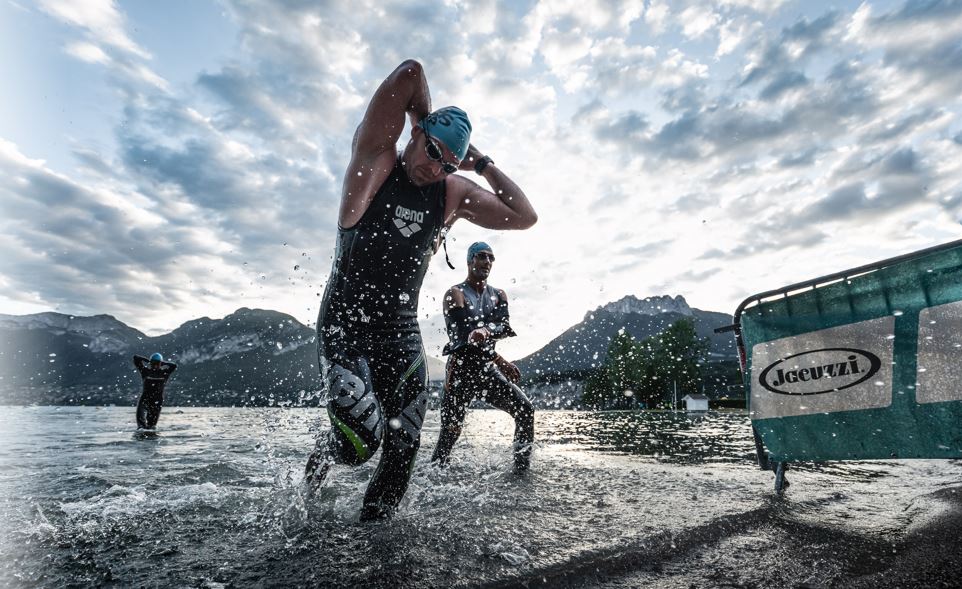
[584, 346]
[262, 357]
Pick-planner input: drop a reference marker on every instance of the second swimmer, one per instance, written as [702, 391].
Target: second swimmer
[476, 315]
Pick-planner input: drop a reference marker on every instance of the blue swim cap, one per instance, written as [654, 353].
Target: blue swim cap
[156, 357]
[478, 246]
[451, 125]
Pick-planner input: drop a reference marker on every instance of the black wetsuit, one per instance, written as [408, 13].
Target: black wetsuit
[152, 397]
[472, 373]
[369, 343]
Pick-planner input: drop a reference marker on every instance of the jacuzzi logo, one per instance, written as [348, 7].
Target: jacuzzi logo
[819, 371]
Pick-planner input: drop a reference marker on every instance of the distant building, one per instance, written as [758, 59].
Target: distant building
[695, 402]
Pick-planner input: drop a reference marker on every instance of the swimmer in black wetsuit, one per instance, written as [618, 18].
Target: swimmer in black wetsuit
[154, 372]
[393, 210]
[476, 315]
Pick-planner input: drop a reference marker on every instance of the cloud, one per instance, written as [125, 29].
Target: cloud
[696, 21]
[732, 130]
[99, 18]
[762, 6]
[733, 32]
[627, 129]
[652, 159]
[905, 123]
[901, 188]
[80, 247]
[773, 58]
[644, 250]
[782, 83]
[805, 158]
[656, 16]
[695, 203]
[922, 40]
[88, 52]
[902, 162]
[107, 42]
[681, 282]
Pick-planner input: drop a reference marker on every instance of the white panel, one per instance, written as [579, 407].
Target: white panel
[842, 368]
[940, 354]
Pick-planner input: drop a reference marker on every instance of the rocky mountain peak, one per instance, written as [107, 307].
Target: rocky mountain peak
[67, 323]
[647, 306]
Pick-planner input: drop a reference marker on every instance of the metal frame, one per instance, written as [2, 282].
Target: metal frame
[764, 463]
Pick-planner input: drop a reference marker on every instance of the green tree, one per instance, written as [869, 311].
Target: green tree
[679, 357]
[612, 385]
[597, 388]
[647, 371]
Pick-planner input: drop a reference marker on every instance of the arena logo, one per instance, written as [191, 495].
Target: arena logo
[408, 221]
[815, 372]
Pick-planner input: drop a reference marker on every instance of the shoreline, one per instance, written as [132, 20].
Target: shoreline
[770, 547]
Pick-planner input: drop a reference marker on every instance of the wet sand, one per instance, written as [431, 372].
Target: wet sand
[769, 547]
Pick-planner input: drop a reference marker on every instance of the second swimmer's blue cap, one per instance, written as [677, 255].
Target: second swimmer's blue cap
[156, 357]
[451, 125]
[478, 246]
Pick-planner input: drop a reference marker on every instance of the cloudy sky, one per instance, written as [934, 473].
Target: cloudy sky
[162, 161]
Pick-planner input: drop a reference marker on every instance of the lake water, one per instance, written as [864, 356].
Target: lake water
[216, 500]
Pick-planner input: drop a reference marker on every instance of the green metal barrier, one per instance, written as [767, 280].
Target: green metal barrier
[861, 364]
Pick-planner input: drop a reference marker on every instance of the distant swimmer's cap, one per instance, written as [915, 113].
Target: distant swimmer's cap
[478, 246]
[156, 357]
[451, 125]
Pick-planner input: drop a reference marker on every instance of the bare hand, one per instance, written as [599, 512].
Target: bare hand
[471, 158]
[511, 371]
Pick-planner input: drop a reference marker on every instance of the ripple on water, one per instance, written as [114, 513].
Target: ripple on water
[218, 498]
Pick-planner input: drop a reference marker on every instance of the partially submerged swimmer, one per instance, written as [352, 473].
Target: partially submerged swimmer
[155, 372]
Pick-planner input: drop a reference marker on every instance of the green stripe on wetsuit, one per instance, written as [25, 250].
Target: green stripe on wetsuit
[359, 446]
[407, 374]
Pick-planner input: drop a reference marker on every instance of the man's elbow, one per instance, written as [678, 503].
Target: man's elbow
[528, 221]
[410, 66]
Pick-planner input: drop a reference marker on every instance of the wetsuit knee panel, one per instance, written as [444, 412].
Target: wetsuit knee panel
[357, 424]
[405, 430]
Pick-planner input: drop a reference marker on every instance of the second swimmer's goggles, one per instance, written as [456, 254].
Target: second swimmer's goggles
[434, 152]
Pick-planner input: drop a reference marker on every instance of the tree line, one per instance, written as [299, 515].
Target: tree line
[645, 373]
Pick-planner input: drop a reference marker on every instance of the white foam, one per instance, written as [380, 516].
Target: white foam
[121, 502]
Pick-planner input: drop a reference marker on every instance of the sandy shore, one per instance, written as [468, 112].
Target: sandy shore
[771, 547]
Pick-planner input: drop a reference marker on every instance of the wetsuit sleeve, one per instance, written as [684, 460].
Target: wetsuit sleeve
[456, 319]
[170, 367]
[499, 324]
[141, 363]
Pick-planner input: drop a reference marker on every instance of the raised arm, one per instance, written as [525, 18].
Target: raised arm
[403, 92]
[141, 363]
[505, 206]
